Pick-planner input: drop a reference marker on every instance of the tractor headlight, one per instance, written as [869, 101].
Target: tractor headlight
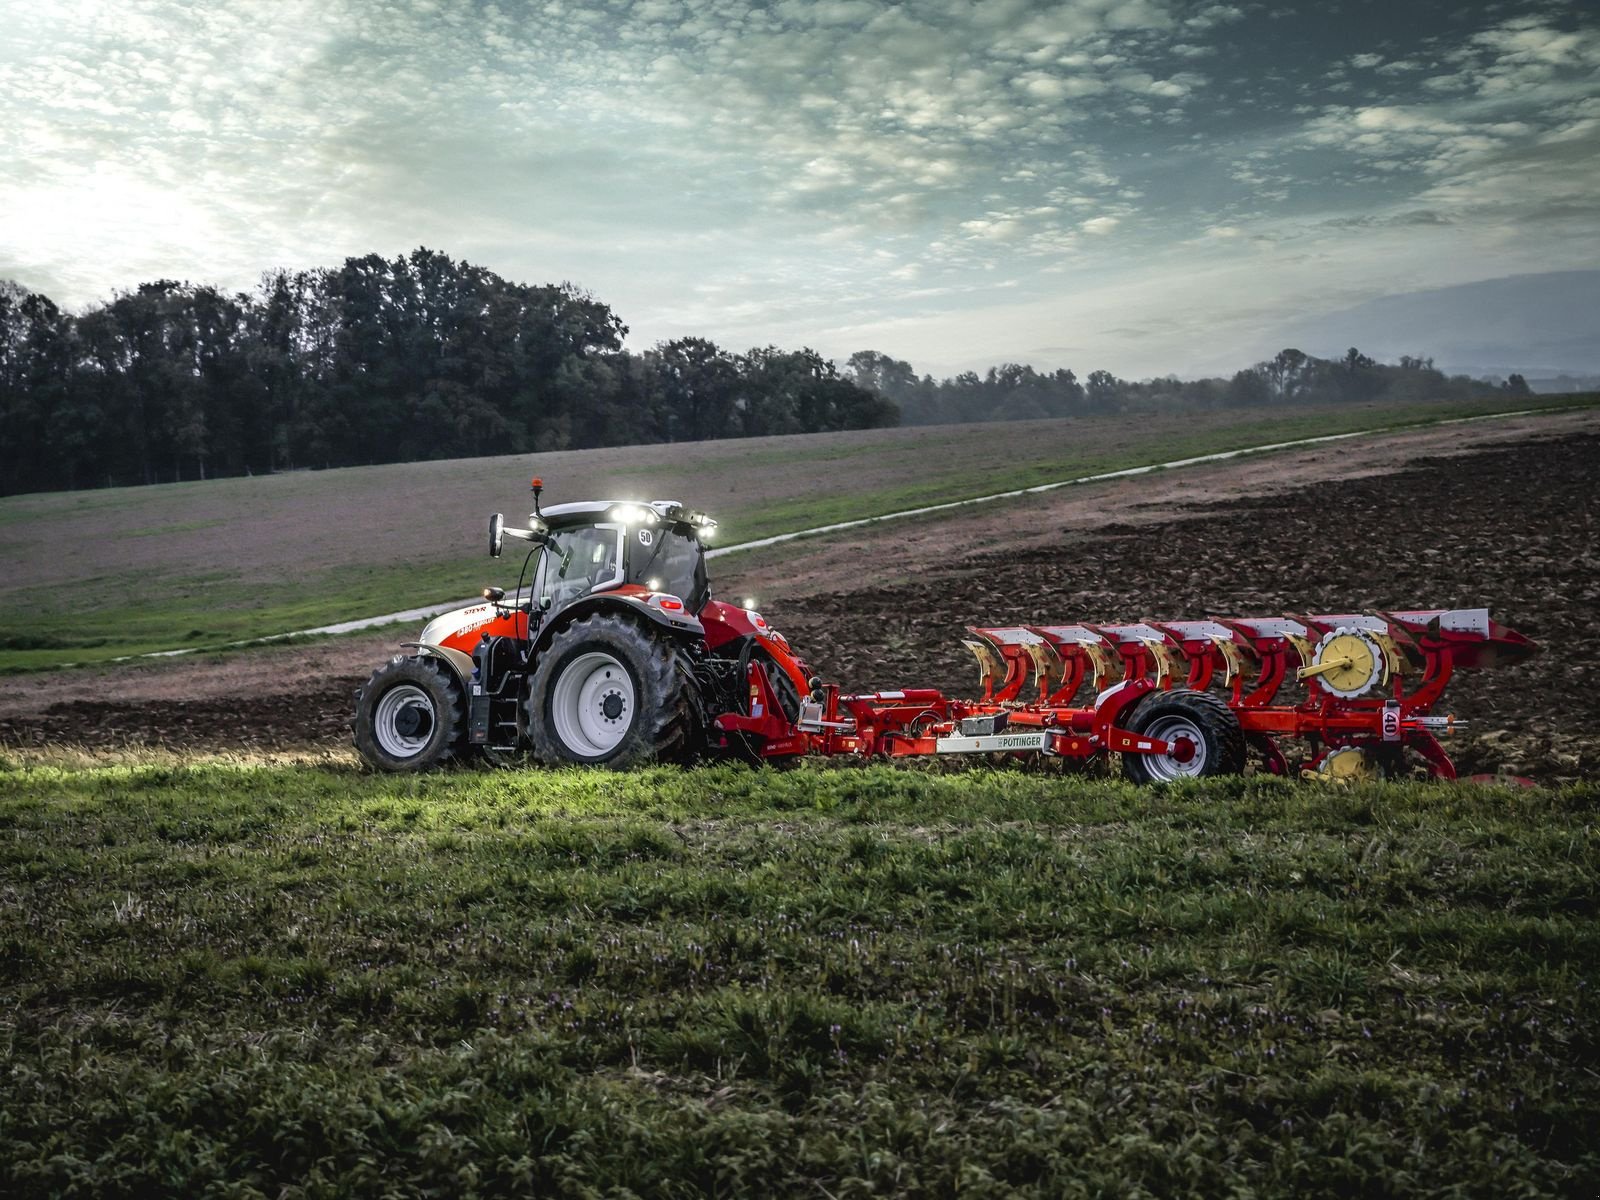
[634, 514]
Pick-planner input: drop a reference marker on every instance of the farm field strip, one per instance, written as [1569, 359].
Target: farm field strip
[1125, 473]
[832, 982]
[226, 613]
[433, 610]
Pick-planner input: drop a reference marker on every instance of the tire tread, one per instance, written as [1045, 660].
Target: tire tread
[668, 729]
[423, 670]
[1211, 713]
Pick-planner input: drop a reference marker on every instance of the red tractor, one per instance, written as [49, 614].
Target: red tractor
[615, 654]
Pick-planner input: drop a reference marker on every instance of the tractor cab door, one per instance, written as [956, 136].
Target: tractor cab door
[584, 559]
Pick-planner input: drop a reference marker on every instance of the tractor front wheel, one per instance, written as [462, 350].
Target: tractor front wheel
[410, 715]
[1202, 730]
[609, 692]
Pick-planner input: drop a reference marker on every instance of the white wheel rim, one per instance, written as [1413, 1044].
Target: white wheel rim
[404, 701]
[593, 705]
[1164, 766]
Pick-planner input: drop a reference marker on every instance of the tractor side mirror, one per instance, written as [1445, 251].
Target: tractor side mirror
[497, 531]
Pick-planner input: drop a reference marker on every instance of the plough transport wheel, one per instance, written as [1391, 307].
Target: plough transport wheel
[1202, 730]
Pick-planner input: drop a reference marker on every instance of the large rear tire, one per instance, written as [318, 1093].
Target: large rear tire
[410, 715]
[1202, 726]
[608, 692]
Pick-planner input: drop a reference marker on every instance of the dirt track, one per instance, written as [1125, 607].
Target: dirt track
[1507, 522]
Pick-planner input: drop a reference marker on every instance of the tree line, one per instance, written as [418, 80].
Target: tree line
[423, 357]
[1015, 392]
[378, 360]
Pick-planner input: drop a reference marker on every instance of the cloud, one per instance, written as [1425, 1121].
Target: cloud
[994, 227]
[336, 117]
[1216, 14]
[800, 161]
[1412, 217]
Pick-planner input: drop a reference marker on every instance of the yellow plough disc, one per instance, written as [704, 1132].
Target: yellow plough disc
[1347, 766]
[1347, 663]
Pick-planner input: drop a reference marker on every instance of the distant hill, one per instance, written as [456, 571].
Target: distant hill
[1541, 326]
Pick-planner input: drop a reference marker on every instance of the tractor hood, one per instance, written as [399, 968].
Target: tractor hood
[456, 622]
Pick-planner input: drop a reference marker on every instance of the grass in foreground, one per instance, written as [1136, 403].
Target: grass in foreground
[245, 980]
[107, 615]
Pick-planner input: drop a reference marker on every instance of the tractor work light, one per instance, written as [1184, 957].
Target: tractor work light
[634, 514]
[671, 510]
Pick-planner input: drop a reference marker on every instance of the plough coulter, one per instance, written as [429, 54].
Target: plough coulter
[616, 655]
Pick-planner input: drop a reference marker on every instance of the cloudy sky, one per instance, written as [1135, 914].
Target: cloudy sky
[1149, 186]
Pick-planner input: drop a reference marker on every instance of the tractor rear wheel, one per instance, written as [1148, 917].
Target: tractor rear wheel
[609, 692]
[1205, 734]
[410, 715]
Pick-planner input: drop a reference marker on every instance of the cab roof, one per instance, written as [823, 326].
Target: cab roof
[592, 512]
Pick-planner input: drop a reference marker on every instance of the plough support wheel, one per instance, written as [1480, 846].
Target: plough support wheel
[1203, 735]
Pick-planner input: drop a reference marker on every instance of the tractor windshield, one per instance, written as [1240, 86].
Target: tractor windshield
[582, 560]
[664, 560]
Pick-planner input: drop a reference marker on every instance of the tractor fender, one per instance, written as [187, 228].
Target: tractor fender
[458, 662]
[681, 622]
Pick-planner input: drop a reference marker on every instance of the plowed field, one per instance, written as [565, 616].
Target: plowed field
[1508, 525]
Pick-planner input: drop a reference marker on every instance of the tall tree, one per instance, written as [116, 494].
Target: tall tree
[699, 387]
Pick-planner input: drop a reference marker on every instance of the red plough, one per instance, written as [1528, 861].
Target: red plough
[1185, 698]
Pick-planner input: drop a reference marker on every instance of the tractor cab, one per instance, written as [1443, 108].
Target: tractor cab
[591, 547]
[605, 547]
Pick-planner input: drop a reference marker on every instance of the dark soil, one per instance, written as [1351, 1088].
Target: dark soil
[1510, 528]
[320, 716]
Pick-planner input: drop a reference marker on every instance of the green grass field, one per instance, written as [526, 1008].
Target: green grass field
[244, 979]
[106, 574]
